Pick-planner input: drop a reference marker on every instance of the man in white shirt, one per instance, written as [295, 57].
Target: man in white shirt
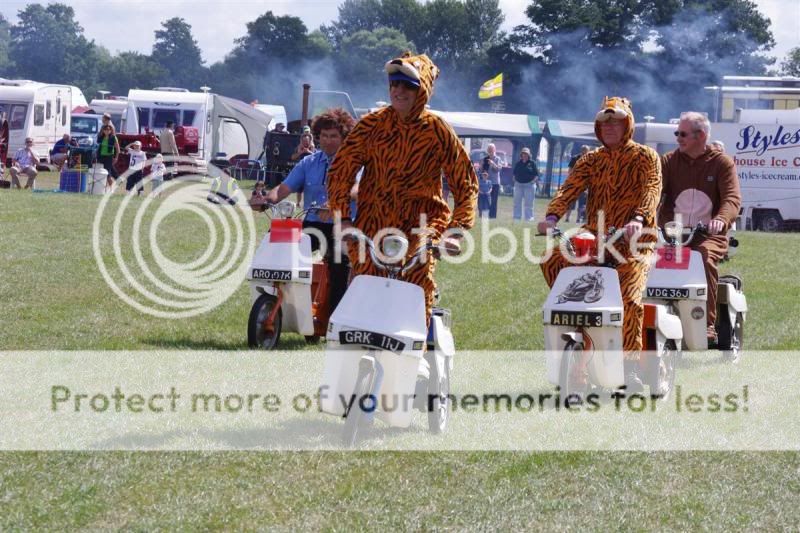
[24, 163]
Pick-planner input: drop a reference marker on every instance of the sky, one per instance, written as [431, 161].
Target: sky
[129, 25]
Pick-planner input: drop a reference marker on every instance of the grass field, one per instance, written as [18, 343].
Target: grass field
[53, 297]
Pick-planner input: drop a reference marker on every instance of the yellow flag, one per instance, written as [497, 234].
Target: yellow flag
[492, 88]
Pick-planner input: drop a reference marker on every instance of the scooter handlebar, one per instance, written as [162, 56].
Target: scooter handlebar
[380, 262]
[686, 238]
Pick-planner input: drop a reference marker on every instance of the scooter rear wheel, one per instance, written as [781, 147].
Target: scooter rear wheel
[567, 382]
[730, 336]
[257, 335]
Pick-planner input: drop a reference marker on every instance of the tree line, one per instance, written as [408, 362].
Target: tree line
[569, 54]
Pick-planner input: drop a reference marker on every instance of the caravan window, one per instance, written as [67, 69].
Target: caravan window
[188, 118]
[16, 116]
[38, 115]
[161, 116]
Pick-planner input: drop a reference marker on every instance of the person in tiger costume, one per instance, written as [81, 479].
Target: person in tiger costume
[404, 150]
[624, 183]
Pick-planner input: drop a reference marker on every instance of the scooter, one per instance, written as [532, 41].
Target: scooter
[677, 279]
[288, 289]
[583, 318]
[376, 362]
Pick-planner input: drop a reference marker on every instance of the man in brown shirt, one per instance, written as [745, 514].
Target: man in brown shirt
[701, 185]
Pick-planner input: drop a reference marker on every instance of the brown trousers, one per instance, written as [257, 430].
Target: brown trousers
[713, 249]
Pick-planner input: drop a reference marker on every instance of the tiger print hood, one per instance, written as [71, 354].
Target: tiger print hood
[420, 68]
[615, 107]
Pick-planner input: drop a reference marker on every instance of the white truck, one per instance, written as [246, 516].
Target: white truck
[41, 111]
[767, 160]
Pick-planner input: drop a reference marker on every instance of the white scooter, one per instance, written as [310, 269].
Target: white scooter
[375, 359]
[288, 290]
[583, 318]
[677, 279]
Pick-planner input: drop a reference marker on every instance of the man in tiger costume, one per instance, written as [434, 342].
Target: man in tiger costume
[624, 183]
[404, 150]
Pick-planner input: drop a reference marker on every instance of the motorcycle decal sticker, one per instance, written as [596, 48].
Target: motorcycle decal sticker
[587, 288]
[272, 275]
[371, 339]
[576, 319]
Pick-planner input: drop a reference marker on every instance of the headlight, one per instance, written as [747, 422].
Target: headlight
[395, 247]
[286, 209]
[674, 230]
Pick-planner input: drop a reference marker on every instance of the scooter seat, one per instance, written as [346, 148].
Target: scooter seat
[736, 281]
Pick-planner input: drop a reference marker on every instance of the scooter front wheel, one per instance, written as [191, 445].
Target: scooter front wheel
[438, 396]
[356, 418]
[259, 334]
[573, 379]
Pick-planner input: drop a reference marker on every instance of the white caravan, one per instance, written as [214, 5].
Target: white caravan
[115, 106]
[224, 125]
[41, 111]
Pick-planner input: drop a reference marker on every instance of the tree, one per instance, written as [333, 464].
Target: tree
[132, 70]
[660, 53]
[272, 39]
[5, 43]
[360, 61]
[48, 45]
[176, 51]
[791, 65]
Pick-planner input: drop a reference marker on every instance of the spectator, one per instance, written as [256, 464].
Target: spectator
[581, 201]
[526, 175]
[280, 127]
[108, 152]
[24, 162]
[61, 149]
[718, 145]
[492, 165]
[169, 148]
[157, 171]
[484, 195]
[136, 166]
[306, 147]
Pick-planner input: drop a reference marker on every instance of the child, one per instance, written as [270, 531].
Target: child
[259, 197]
[136, 164]
[157, 170]
[484, 191]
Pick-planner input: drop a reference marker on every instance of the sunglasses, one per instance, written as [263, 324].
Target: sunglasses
[684, 134]
[404, 84]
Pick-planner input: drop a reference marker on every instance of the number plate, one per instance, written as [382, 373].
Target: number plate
[372, 339]
[576, 319]
[273, 275]
[667, 294]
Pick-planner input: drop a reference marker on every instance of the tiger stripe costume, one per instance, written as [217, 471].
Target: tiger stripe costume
[404, 161]
[623, 182]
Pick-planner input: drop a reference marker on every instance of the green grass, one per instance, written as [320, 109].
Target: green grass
[53, 297]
